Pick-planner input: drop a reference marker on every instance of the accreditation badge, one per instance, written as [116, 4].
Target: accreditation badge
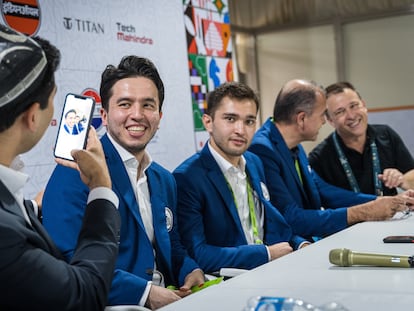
[169, 218]
[265, 191]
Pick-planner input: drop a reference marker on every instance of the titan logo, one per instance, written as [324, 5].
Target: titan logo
[83, 25]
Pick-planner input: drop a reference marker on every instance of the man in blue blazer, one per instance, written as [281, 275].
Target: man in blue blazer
[150, 251]
[225, 217]
[310, 205]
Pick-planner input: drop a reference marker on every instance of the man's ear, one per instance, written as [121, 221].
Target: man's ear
[104, 116]
[300, 119]
[207, 122]
[31, 117]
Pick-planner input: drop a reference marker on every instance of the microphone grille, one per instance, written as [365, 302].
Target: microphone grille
[339, 257]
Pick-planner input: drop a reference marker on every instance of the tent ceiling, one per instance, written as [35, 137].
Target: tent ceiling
[257, 16]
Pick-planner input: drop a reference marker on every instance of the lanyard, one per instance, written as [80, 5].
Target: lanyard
[252, 213]
[348, 171]
[253, 219]
[295, 155]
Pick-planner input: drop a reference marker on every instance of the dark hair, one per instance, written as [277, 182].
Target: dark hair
[339, 87]
[130, 66]
[233, 90]
[301, 98]
[70, 111]
[40, 94]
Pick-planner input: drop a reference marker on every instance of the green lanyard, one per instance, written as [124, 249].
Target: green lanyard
[376, 167]
[298, 170]
[252, 213]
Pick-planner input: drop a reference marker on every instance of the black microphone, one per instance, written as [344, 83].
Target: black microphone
[344, 257]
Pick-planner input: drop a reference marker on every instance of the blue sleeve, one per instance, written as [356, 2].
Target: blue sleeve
[335, 197]
[296, 241]
[285, 195]
[181, 260]
[63, 207]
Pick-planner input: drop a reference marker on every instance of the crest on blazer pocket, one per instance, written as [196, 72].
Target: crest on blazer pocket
[169, 218]
[265, 191]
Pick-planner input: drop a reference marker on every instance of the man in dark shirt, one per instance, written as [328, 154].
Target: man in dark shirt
[358, 156]
[311, 206]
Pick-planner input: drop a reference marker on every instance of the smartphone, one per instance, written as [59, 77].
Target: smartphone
[399, 239]
[74, 125]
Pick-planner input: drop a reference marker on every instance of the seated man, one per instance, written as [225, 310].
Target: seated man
[33, 275]
[151, 255]
[362, 157]
[224, 214]
[311, 206]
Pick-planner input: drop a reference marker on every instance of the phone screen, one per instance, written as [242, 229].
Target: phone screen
[74, 125]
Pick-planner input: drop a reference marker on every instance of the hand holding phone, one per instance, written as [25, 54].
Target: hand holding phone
[90, 163]
[74, 125]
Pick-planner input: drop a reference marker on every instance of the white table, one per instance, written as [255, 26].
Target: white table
[307, 274]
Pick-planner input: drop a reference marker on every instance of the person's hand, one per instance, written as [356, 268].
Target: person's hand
[159, 297]
[195, 278]
[279, 249]
[391, 177]
[384, 208]
[304, 244]
[90, 163]
[408, 198]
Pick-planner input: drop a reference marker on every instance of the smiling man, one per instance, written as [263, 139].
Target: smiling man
[150, 253]
[313, 207]
[225, 216]
[358, 156]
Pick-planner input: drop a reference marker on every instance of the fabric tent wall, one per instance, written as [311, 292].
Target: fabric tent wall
[93, 34]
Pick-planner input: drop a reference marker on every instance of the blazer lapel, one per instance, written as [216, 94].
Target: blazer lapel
[312, 193]
[219, 182]
[286, 155]
[159, 215]
[120, 179]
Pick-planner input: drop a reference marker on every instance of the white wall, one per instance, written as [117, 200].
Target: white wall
[304, 53]
[379, 60]
[377, 56]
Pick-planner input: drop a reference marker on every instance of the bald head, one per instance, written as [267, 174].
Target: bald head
[295, 96]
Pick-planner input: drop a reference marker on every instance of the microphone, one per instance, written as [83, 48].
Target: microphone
[344, 257]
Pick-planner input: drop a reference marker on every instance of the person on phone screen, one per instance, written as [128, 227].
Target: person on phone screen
[33, 274]
[72, 123]
[151, 255]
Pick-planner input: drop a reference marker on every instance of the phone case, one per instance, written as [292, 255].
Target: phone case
[399, 239]
[74, 125]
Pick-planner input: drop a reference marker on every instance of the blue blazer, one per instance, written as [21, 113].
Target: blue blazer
[63, 208]
[208, 219]
[300, 203]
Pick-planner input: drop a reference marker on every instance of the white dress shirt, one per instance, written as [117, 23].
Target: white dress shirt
[140, 186]
[237, 180]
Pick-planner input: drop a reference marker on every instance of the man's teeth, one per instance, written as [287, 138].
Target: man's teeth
[136, 128]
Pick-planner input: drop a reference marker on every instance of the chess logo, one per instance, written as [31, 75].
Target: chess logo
[169, 218]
